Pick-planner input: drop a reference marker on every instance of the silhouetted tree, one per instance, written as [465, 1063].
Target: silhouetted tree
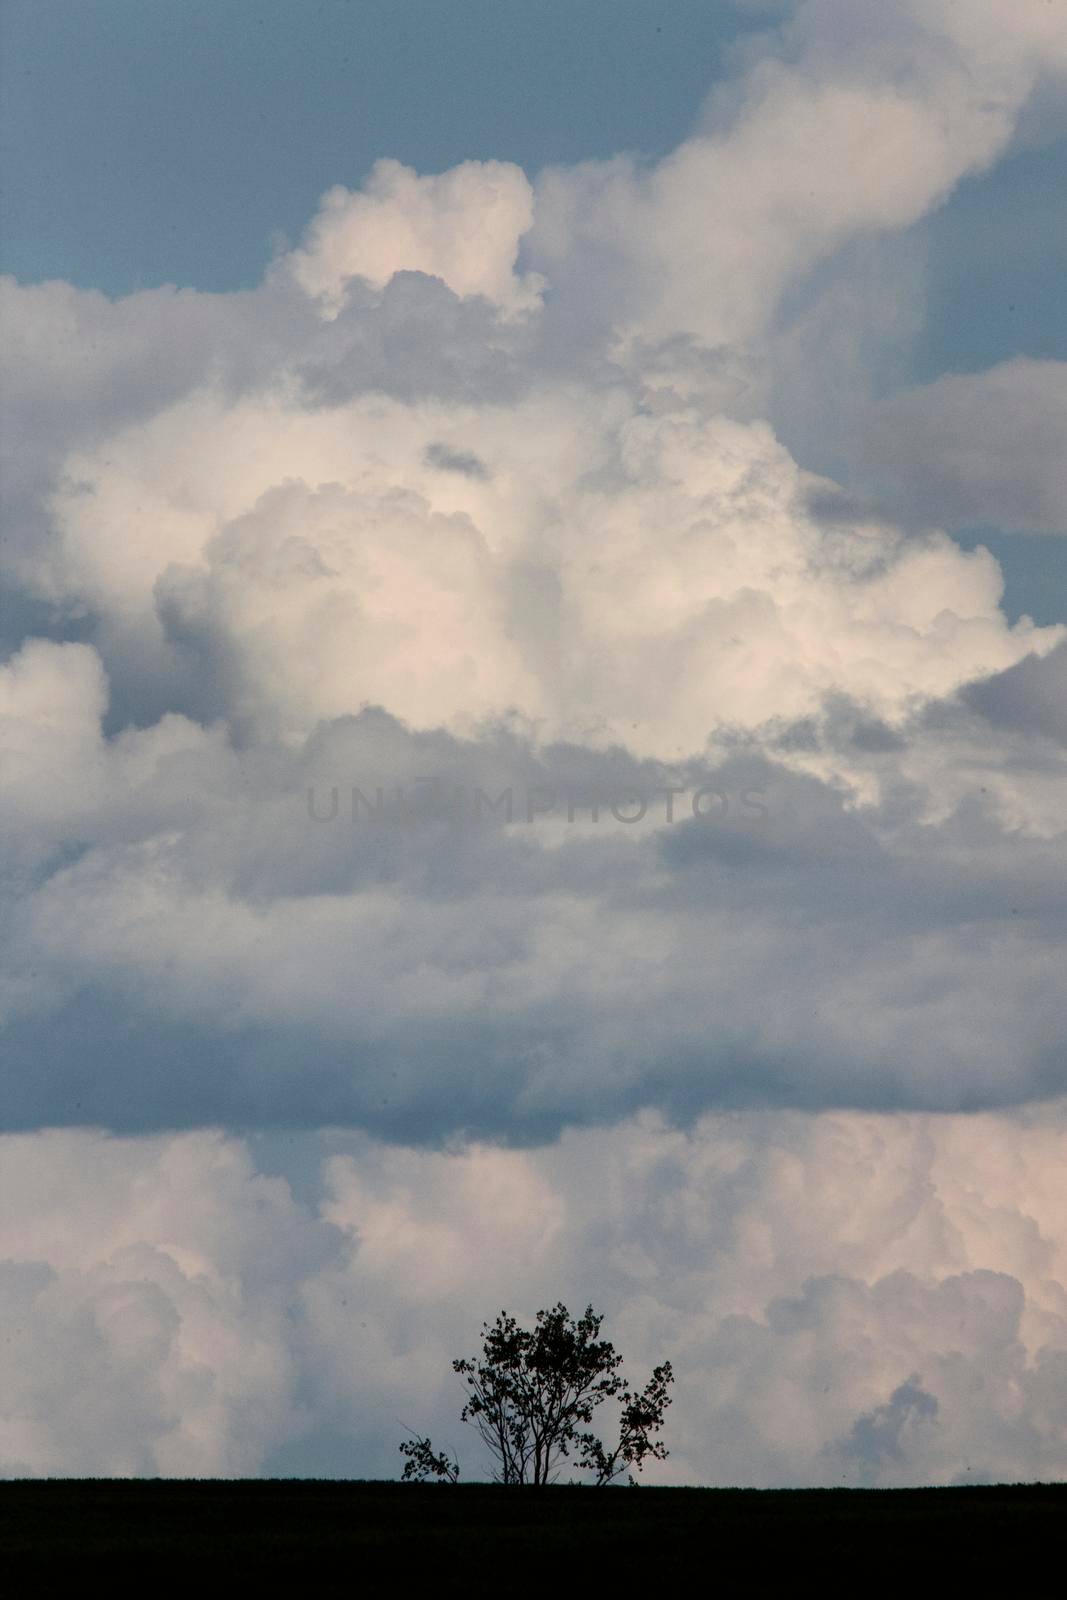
[642, 1416]
[425, 1463]
[532, 1392]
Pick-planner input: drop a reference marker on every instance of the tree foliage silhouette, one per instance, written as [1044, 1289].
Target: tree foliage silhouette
[424, 1462]
[532, 1394]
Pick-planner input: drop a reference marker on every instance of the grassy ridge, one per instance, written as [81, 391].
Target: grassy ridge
[463, 1539]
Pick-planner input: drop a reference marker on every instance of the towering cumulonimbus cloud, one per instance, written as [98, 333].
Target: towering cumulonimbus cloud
[436, 702]
[471, 491]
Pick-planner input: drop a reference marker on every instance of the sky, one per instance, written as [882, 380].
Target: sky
[532, 681]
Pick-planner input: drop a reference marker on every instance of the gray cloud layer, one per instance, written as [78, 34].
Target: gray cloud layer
[326, 935]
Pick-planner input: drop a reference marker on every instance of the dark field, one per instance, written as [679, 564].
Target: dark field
[479, 1539]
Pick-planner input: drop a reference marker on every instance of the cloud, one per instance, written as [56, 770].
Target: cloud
[362, 574]
[145, 1291]
[1030, 697]
[462, 226]
[422, 933]
[173, 1307]
[975, 449]
[477, 490]
[774, 179]
[439, 455]
[880, 1437]
[668, 613]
